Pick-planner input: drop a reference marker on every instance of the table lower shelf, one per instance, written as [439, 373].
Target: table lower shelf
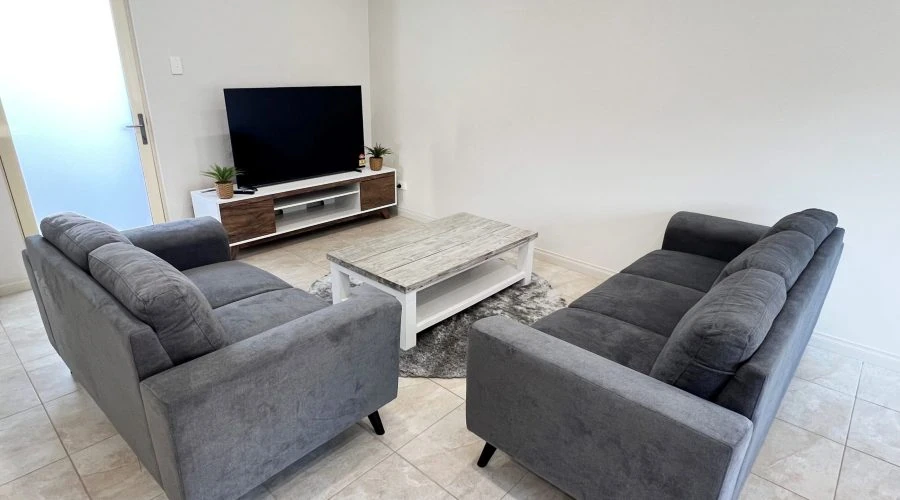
[467, 288]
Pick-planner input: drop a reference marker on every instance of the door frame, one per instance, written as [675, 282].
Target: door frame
[137, 100]
[9, 164]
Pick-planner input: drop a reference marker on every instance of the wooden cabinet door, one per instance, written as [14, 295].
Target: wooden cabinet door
[248, 219]
[377, 192]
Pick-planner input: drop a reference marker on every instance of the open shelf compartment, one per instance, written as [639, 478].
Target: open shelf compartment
[301, 216]
[463, 290]
[320, 195]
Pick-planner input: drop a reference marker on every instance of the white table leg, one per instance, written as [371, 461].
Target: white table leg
[526, 261]
[408, 321]
[340, 284]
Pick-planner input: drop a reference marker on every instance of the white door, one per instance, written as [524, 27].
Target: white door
[75, 137]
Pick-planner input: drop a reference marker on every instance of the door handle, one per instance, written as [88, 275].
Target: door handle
[141, 125]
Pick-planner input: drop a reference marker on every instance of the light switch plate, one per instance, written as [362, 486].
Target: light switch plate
[175, 64]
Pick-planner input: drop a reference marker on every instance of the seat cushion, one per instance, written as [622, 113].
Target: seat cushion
[785, 253]
[226, 282]
[721, 332]
[680, 268]
[616, 340]
[645, 302]
[159, 295]
[813, 222]
[253, 315]
[76, 236]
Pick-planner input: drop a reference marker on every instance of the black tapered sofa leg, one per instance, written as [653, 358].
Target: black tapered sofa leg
[486, 454]
[375, 419]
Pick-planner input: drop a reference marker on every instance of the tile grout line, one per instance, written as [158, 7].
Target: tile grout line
[39, 469]
[861, 452]
[778, 485]
[844, 450]
[812, 432]
[397, 452]
[837, 484]
[357, 478]
[825, 386]
[852, 407]
[363, 473]
[506, 493]
[66, 450]
[888, 408]
[845, 445]
[426, 430]
[52, 425]
[442, 417]
[22, 410]
[441, 486]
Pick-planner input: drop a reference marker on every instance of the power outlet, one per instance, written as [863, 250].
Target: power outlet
[403, 185]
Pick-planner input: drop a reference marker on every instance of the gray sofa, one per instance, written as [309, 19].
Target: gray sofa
[216, 373]
[663, 381]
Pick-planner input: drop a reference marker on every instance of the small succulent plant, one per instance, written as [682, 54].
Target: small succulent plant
[378, 151]
[221, 174]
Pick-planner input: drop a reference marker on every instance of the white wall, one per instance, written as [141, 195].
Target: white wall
[12, 271]
[594, 121]
[236, 43]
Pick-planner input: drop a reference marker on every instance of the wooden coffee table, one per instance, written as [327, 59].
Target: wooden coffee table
[436, 270]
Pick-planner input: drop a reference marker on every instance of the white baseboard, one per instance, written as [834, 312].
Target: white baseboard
[414, 215]
[574, 264]
[863, 353]
[14, 287]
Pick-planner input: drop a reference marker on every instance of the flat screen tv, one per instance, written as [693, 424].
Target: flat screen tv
[282, 134]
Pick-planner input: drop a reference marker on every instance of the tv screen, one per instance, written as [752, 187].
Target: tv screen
[288, 133]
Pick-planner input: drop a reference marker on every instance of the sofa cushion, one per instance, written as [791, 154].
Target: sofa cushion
[785, 253]
[721, 332]
[680, 268]
[226, 282]
[76, 236]
[645, 302]
[616, 340]
[813, 222]
[159, 295]
[253, 315]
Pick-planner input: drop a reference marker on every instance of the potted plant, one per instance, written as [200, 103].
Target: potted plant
[377, 154]
[224, 178]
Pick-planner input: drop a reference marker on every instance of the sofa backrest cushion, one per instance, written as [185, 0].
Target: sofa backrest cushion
[76, 236]
[720, 332]
[785, 253]
[813, 222]
[161, 296]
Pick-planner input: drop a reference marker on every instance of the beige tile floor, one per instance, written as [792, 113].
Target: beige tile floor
[837, 433]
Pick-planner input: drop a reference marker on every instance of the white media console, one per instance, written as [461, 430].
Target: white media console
[293, 207]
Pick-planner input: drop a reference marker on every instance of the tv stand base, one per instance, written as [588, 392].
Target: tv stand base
[296, 207]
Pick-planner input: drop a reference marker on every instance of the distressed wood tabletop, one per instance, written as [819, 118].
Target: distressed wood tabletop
[415, 258]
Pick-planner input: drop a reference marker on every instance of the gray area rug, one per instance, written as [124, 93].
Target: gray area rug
[440, 350]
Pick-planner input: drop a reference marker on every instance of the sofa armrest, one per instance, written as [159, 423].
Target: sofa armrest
[184, 243]
[714, 237]
[592, 427]
[225, 422]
